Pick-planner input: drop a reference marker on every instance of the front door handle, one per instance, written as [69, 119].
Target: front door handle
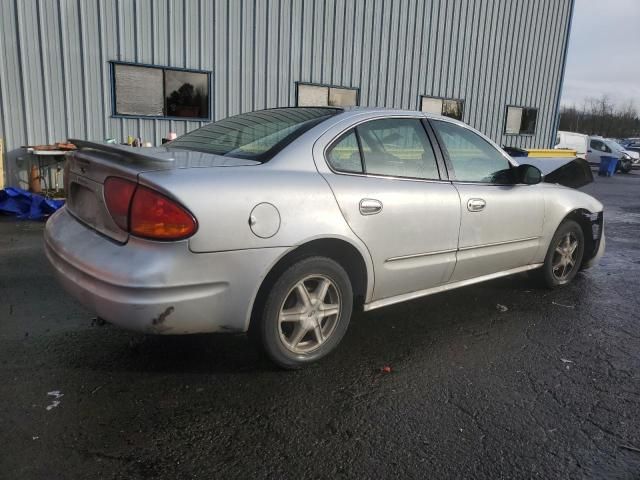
[370, 206]
[476, 204]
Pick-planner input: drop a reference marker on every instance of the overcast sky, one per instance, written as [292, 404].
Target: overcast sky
[604, 52]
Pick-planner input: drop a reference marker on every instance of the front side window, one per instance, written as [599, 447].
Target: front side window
[310, 95]
[144, 91]
[473, 159]
[255, 135]
[448, 107]
[521, 121]
[599, 146]
[397, 147]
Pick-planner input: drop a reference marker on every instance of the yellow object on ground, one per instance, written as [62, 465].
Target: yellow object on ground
[551, 153]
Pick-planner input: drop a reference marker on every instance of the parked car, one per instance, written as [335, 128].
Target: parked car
[278, 222]
[633, 145]
[602, 147]
[593, 148]
[630, 152]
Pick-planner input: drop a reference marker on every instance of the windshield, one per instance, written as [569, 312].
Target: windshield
[255, 135]
[613, 145]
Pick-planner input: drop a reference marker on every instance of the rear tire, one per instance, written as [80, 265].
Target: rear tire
[564, 256]
[306, 312]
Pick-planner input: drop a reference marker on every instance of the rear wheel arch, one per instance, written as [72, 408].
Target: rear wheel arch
[341, 251]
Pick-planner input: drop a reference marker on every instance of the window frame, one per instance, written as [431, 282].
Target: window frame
[449, 164]
[461, 100]
[441, 165]
[115, 114]
[328, 86]
[506, 115]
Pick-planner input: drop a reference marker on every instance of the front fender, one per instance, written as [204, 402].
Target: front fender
[562, 203]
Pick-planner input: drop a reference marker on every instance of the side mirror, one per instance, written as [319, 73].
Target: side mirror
[528, 174]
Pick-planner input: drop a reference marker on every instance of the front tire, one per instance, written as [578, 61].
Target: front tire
[306, 313]
[564, 256]
[625, 166]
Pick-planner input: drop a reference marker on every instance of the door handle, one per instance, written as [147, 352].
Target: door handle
[476, 204]
[370, 206]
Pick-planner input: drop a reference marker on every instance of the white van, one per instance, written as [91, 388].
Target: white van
[592, 148]
[573, 141]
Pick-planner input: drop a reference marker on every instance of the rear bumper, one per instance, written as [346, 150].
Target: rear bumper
[156, 287]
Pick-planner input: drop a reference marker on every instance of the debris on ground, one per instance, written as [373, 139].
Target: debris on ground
[562, 305]
[501, 308]
[386, 369]
[57, 395]
[98, 321]
[26, 205]
[630, 448]
[96, 389]
[564, 360]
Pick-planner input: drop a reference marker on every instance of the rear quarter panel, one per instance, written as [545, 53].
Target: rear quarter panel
[222, 199]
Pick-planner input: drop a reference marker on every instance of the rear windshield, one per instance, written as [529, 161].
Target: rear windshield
[255, 135]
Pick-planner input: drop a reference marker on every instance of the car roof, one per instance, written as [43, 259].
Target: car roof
[356, 111]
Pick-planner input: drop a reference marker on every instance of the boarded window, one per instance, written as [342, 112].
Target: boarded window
[160, 92]
[139, 90]
[520, 121]
[326, 96]
[448, 107]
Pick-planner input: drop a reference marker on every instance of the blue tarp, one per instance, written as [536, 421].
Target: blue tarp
[27, 205]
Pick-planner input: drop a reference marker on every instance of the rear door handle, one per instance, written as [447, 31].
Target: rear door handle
[476, 204]
[370, 206]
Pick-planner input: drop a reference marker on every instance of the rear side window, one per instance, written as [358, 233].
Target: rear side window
[472, 157]
[344, 156]
[399, 148]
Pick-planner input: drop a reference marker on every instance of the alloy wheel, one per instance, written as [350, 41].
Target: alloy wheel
[309, 314]
[565, 257]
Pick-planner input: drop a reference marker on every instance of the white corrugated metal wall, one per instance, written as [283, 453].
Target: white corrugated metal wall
[55, 79]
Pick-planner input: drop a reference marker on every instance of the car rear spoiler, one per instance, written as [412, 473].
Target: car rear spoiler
[137, 155]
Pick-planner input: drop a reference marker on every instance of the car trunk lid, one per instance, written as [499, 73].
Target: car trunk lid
[89, 167]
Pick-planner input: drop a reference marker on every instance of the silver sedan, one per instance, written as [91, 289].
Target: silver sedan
[280, 222]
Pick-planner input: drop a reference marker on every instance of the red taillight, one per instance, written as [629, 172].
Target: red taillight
[155, 216]
[117, 195]
[145, 212]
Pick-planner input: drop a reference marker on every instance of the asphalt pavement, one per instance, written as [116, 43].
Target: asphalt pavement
[500, 380]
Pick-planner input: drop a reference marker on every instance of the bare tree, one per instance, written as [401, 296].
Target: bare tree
[600, 116]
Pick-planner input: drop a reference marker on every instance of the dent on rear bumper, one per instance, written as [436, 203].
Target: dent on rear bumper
[156, 287]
